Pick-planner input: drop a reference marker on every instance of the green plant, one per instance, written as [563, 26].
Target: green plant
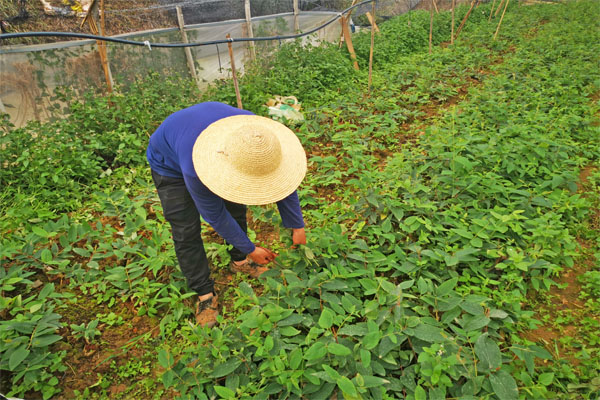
[86, 331]
[442, 207]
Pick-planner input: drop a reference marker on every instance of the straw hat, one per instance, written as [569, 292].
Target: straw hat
[248, 159]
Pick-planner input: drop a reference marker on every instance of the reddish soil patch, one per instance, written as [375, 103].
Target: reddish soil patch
[113, 348]
[584, 176]
[563, 299]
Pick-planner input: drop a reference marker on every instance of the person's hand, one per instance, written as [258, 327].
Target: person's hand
[298, 236]
[262, 256]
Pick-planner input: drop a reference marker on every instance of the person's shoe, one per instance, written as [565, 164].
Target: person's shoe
[249, 268]
[207, 312]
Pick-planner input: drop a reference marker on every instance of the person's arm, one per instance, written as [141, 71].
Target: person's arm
[291, 216]
[212, 208]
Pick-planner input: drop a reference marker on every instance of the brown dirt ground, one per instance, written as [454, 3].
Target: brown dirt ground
[119, 345]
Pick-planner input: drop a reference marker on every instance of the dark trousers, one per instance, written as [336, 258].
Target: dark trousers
[180, 211]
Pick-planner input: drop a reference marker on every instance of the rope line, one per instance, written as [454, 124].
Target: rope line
[148, 44]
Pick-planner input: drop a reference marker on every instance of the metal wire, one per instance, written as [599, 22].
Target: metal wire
[7, 36]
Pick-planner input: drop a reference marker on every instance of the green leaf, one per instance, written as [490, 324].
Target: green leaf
[46, 256]
[365, 357]
[504, 386]
[446, 287]
[495, 313]
[268, 343]
[165, 359]
[420, 393]
[316, 351]
[17, 357]
[39, 231]
[546, 379]
[427, 333]
[224, 392]
[45, 340]
[488, 352]
[373, 381]
[346, 386]
[289, 331]
[359, 329]
[293, 319]
[371, 340]
[331, 372]
[338, 349]
[226, 368]
[451, 260]
[246, 289]
[295, 358]
[475, 322]
[326, 318]
[168, 377]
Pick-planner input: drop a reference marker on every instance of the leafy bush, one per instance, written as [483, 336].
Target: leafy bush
[420, 258]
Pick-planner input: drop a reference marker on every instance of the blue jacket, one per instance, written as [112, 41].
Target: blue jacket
[169, 153]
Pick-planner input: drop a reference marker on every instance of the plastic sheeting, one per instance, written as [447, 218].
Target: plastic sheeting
[30, 74]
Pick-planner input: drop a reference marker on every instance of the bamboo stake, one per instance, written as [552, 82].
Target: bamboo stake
[187, 51]
[348, 40]
[90, 18]
[435, 6]
[107, 72]
[452, 33]
[465, 18]
[296, 12]
[430, 26]
[371, 19]
[235, 82]
[249, 27]
[491, 10]
[499, 7]
[348, 17]
[501, 18]
[372, 47]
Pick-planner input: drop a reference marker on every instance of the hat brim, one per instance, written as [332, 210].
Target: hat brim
[216, 171]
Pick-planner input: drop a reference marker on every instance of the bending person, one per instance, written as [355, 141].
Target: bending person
[212, 160]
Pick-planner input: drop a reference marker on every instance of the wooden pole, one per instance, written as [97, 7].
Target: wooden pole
[431, 26]
[348, 17]
[235, 82]
[106, 64]
[436, 8]
[348, 40]
[372, 47]
[501, 18]
[491, 10]
[452, 33]
[371, 18]
[465, 18]
[499, 7]
[91, 17]
[188, 52]
[296, 22]
[249, 27]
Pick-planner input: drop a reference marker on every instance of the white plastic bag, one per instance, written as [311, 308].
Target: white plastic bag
[285, 108]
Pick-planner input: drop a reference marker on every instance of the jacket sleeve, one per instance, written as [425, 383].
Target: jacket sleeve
[289, 209]
[212, 208]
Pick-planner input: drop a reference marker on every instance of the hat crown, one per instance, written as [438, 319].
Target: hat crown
[254, 150]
